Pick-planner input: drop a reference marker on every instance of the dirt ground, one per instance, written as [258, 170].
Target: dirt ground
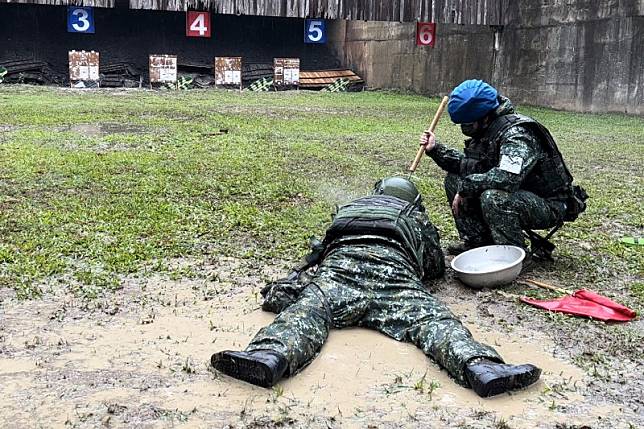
[139, 358]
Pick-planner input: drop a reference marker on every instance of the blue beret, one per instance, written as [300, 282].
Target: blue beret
[471, 101]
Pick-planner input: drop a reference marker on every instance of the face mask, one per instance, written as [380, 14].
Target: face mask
[470, 129]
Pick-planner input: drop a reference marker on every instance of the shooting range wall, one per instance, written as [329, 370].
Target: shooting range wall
[386, 56]
[583, 55]
[38, 33]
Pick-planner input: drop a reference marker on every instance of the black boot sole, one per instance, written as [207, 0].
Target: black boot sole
[244, 369]
[505, 384]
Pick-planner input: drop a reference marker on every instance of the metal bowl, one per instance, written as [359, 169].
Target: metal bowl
[489, 265]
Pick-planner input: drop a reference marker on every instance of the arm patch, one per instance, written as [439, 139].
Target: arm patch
[511, 164]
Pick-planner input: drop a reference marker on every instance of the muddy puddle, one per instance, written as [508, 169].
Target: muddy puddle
[139, 358]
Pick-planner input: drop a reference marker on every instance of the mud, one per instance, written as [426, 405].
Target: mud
[139, 358]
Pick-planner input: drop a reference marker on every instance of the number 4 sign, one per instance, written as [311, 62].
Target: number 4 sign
[425, 34]
[198, 24]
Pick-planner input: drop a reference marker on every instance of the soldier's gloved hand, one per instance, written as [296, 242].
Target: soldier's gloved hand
[457, 204]
[428, 141]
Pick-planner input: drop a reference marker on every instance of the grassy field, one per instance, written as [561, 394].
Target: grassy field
[117, 207]
[100, 184]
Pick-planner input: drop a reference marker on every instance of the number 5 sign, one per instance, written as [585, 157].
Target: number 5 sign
[80, 19]
[314, 31]
[197, 24]
[425, 34]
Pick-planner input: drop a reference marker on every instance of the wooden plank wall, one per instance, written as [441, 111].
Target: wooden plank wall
[94, 3]
[478, 12]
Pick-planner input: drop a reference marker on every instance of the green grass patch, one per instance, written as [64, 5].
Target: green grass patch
[97, 185]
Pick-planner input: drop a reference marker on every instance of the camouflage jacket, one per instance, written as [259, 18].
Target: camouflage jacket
[509, 169]
[389, 220]
[282, 293]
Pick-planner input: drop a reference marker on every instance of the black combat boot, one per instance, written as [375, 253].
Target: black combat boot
[260, 367]
[489, 378]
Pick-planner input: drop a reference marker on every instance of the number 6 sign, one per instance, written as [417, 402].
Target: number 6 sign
[197, 24]
[80, 20]
[425, 34]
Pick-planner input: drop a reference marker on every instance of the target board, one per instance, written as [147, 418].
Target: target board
[286, 72]
[228, 71]
[163, 68]
[83, 66]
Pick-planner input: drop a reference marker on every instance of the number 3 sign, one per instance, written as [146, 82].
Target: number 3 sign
[198, 24]
[425, 34]
[80, 19]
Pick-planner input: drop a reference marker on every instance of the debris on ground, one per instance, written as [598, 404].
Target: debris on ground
[331, 80]
[253, 72]
[33, 72]
[201, 74]
[120, 75]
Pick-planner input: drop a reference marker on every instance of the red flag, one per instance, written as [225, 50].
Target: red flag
[586, 303]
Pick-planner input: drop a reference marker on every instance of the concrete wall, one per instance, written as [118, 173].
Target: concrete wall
[584, 55]
[386, 56]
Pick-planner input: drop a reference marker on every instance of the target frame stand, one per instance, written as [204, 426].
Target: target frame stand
[286, 73]
[84, 67]
[162, 70]
[228, 72]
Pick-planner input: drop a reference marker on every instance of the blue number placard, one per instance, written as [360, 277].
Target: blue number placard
[80, 19]
[315, 31]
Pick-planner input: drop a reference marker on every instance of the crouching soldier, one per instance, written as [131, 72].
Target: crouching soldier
[510, 178]
[370, 271]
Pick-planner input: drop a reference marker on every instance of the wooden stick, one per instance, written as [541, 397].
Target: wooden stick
[432, 127]
[547, 286]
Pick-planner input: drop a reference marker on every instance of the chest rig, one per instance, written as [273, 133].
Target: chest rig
[380, 215]
[550, 178]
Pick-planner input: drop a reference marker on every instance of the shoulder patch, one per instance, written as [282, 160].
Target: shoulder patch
[511, 164]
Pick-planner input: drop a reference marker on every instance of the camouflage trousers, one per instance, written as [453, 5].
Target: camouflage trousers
[372, 286]
[499, 217]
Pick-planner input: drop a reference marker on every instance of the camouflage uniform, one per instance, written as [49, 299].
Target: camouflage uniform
[371, 281]
[505, 183]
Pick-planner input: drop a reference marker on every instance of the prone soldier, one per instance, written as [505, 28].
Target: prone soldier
[375, 256]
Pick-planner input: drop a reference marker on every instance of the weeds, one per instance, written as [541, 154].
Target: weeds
[422, 386]
[278, 392]
[188, 366]
[501, 424]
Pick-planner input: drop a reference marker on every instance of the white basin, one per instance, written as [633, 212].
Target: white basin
[489, 265]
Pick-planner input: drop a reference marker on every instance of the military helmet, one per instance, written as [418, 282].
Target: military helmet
[398, 187]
